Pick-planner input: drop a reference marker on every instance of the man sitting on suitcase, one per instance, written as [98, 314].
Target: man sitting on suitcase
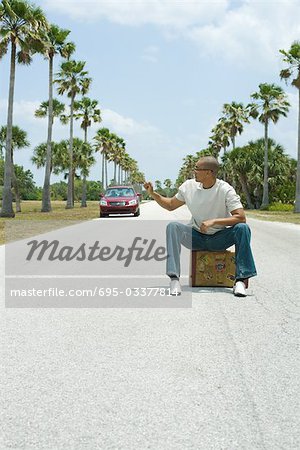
[218, 222]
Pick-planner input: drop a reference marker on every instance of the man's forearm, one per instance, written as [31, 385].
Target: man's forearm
[230, 221]
[164, 202]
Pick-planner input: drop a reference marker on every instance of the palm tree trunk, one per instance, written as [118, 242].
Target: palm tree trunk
[297, 202]
[84, 191]
[15, 184]
[119, 175]
[70, 198]
[83, 196]
[16, 190]
[245, 188]
[73, 184]
[115, 171]
[233, 142]
[265, 199]
[7, 206]
[46, 199]
[106, 182]
[224, 174]
[102, 174]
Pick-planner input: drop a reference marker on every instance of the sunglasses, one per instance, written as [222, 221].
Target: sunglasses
[198, 169]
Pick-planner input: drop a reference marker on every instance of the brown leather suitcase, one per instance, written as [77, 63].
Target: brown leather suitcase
[212, 268]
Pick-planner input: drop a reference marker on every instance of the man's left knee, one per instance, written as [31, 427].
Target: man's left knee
[242, 228]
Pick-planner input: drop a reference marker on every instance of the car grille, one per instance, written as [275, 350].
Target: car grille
[117, 203]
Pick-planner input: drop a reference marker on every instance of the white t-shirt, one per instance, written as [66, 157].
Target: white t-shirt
[204, 204]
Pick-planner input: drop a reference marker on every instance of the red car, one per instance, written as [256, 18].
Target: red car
[119, 200]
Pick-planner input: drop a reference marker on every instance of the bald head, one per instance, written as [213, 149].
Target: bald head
[209, 163]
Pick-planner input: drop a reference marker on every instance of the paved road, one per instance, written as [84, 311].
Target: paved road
[223, 374]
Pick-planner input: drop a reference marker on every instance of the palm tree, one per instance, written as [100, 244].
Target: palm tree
[21, 25]
[246, 166]
[55, 43]
[220, 138]
[238, 163]
[105, 142]
[122, 165]
[87, 110]
[189, 162]
[40, 155]
[130, 167]
[187, 169]
[19, 140]
[292, 58]
[85, 160]
[271, 104]
[235, 114]
[127, 166]
[120, 156]
[168, 184]
[72, 80]
[117, 154]
[137, 179]
[214, 147]
[58, 110]
[4, 41]
[158, 186]
[82, 157]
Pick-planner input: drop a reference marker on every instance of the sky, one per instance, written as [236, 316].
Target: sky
[161, 71]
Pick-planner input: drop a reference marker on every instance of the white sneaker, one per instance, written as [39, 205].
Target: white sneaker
[239, 289]
[175, 288]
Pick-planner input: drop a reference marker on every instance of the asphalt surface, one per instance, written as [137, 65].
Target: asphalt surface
[223, 374]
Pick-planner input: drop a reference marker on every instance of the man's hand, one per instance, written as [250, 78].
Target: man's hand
[206, 225]
[168, 203]
[149, 188]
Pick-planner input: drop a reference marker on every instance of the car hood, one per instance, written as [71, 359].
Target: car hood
[119, 199]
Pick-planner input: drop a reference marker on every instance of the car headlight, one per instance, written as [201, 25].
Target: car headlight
[103, 202]
[132, 202]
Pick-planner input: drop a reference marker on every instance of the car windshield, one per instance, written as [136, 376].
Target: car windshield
[122, 192]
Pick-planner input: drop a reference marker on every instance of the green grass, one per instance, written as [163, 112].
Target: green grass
[31, 221]
[274, 216]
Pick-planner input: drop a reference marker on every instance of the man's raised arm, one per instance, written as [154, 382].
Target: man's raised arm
[165, 202]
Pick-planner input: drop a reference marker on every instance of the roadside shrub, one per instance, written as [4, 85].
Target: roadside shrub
[277, 206]
[59, 191]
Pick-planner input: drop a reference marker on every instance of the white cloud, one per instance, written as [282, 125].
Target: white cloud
[150, 54]
[247, 32]
[24, 114]
[125, 125]
[165, 13]
[250, 34]
[23, 110]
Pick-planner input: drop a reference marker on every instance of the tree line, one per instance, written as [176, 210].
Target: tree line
[260, 169]
[25, 30]
[28, 190]
[243, 168]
